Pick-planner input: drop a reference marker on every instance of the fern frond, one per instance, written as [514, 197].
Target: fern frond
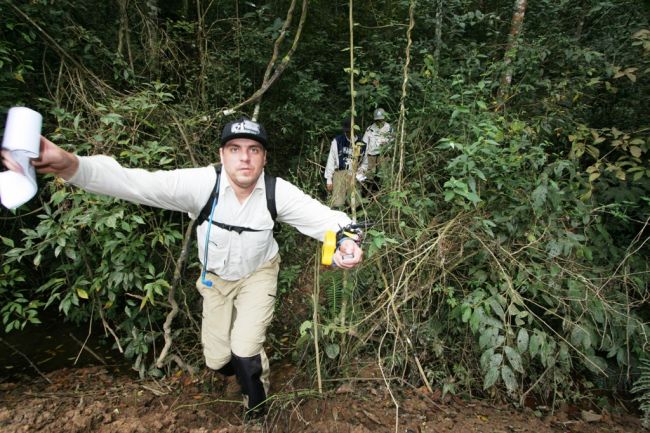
[642, 389]
[332, 282]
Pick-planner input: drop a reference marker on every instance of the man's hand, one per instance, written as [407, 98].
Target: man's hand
[11, 163]
[330, 187]
[348, 255]
[55, 160]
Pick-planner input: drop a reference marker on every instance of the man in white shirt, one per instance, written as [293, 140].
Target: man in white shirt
[236, 246]
[377, 136]
[340, 161]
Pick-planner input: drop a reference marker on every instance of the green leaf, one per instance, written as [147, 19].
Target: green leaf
[490, 337]
[490, 377]
[305, 326]
[539, 196]
[76, 121]
[496, 360]
[522, 340]
[580, 337]
[467, 313]
[59, 196]
[635, 151]
[509, 378]
[596, 364]
[478, 315]
[485, 358]
[515, 358]
[332, 350]
[535, 344]
[496, 308]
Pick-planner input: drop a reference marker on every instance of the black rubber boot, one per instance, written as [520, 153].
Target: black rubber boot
[249, 371]
[228, 369]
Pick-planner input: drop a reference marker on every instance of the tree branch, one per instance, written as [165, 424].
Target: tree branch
[267, 82]
[170, 297]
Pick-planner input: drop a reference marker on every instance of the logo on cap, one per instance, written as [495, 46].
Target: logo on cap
[245, 127]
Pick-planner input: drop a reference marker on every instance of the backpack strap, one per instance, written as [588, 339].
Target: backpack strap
[204, 215]
[269, 181]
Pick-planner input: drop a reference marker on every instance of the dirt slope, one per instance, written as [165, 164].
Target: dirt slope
[95, 400]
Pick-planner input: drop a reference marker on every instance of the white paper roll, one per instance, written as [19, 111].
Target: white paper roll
[23, 130]
[22, 141]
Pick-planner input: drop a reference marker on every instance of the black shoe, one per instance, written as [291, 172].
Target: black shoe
[255, 416]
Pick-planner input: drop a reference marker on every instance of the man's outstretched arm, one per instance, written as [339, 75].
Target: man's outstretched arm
[52, 159]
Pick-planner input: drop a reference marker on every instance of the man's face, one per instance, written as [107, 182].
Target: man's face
[243, 159]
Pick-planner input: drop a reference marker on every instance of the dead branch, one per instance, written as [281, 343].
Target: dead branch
[110, 330]
[171, 298]
[185, 139]
[278, 71]
[87, 349]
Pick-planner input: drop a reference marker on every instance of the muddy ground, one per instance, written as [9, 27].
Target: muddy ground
[95, 399]
[114, 400]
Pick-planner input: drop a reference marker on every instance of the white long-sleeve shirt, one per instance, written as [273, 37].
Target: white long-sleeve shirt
[231, 256]
[333, 162]
[376, 137]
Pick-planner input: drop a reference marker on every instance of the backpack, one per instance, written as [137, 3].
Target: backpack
[204, 215]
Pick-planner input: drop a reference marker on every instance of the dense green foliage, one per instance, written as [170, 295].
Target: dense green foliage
[508, 255]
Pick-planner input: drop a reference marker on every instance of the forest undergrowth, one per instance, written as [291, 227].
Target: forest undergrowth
[507, 253]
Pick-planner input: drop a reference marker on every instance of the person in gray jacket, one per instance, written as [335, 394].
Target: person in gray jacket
[237, 249]
[378, 136]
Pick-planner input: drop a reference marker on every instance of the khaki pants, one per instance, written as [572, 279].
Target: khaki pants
[342, 189]
[236, 315]
[373, 166]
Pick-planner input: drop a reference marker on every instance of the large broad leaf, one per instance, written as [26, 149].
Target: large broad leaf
[535, 344]
[522, 340]
[514, 358]
[491, 377]
[596, 364]
[496, 307]
[486, 359]
[580, 337]
[509, 378]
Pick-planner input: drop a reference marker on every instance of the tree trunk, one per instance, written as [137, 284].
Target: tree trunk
[124, 33]
[202, 44]
[154, 36]
[511, 49]
[581, 20]
[438, 37]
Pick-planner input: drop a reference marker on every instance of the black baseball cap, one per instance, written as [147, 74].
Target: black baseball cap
[244, 128]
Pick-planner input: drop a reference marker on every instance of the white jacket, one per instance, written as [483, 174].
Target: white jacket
[231, 256]
[376, 137]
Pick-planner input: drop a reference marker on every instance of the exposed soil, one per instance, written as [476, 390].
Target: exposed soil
[105, 400]
[93, 399]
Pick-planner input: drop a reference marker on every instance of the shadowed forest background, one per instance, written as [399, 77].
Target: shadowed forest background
[508, 256]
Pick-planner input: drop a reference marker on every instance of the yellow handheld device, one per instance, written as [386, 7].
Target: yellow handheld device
[329, 247]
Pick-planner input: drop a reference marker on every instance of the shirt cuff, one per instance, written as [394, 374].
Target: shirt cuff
[77, 176]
